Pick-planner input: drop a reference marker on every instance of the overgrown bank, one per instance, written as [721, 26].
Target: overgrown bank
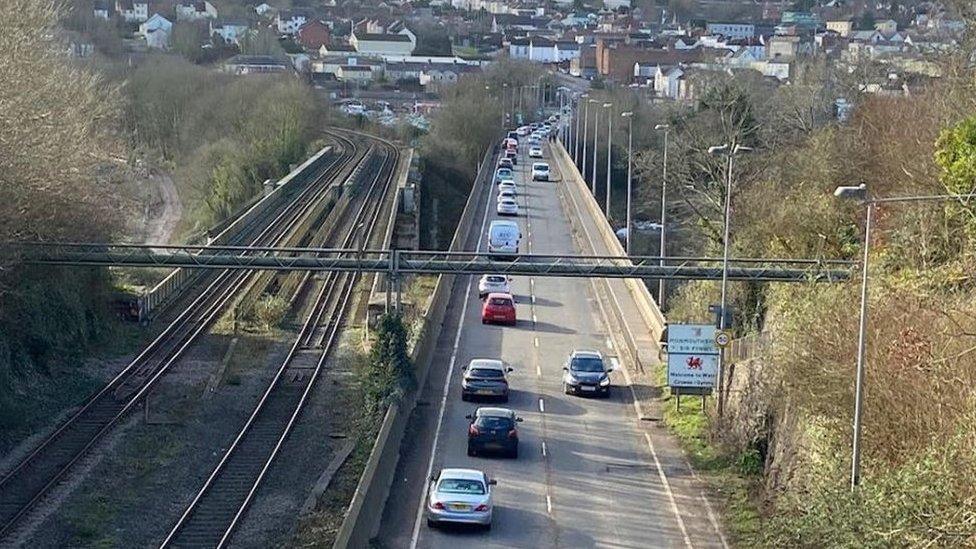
[783, 452]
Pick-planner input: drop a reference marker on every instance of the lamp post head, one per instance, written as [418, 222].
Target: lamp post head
[662, 127]
[582, 95]
[728, 149]
[850, 192]
[718, 149]
[627, 114]
[593, 101]
[607, 105]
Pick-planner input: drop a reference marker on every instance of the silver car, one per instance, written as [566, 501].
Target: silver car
[461, 496]
[490, 283]
[485, 378]
[507, 206]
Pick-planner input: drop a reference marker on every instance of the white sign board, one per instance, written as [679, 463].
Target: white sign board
[692, 355]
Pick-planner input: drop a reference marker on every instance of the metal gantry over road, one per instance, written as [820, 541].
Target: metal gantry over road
[400, 262]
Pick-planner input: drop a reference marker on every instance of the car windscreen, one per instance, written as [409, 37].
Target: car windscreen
[461, 486]
[493, 422]
[586, 364]
[501, 302]
[495, 279]
[490, 373]
[541, 167]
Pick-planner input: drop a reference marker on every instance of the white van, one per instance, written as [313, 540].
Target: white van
[504, 238]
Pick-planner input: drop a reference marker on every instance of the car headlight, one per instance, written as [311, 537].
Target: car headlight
[605, 381]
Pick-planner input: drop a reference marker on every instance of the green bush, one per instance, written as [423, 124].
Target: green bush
[389, 372]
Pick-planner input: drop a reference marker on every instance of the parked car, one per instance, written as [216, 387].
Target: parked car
[504, 173]
[493, 283]
[507, 206]
[460, 496]
[485, 378]
[499, 308]
[493, 430]
[586, 373]
[540, 171]
[535, 152]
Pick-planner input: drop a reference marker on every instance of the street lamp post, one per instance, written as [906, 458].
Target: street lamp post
[729, 150]
[609, 107]
[662, 283]
[860, 193]
[629, 115]
[596, 132]
[586, 123]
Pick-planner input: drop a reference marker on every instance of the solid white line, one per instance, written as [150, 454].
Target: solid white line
[548, 504]
[447, 385]
[544, 453]
[667, 490]
[542, 406]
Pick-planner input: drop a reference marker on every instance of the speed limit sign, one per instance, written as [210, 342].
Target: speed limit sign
[722, 339]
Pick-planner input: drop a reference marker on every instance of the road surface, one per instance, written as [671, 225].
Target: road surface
[588, 473]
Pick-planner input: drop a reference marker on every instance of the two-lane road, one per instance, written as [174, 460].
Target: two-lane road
[586, 475]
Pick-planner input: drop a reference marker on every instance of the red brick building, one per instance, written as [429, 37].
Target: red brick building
[313, 35]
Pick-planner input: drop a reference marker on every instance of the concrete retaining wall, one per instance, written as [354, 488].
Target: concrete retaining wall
[159, 294]
[362, 520]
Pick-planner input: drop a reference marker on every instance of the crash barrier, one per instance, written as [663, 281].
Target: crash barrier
[586, 204]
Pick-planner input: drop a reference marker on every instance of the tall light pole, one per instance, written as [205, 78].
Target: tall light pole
[586, 123]
[662, 283]
[580, 123]
[596, 132]
[609, 107]
[728, 150]
[860, 193]
[629, 115]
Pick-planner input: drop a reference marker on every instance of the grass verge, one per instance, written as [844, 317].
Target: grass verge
[733, 477]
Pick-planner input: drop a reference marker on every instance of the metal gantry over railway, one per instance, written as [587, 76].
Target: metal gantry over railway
[400, 262]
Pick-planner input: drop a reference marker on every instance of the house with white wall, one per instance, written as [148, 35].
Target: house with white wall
[156, 31]
[132, 11]
[195, 10]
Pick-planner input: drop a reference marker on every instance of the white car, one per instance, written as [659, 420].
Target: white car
[506, 194]
[460, 496]
[540, 171]
[507, 184]
[491, 284]
[535, 152]
[507, 206]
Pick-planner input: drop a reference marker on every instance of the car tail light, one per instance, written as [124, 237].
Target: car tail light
[473, 431]
[481, 508]
[438, 505]
[513, 433]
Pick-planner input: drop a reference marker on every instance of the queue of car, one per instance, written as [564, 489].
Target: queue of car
[461, 495]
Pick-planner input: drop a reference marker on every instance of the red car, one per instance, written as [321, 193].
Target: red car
[498, 308]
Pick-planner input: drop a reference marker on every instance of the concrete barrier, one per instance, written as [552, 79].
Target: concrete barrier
[586, 204]
[362, 520]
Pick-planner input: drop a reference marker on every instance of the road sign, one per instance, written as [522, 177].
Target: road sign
[692, 356]
[722, 339]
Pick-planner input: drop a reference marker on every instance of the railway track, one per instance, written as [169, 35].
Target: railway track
[215, 511]
[28, 482]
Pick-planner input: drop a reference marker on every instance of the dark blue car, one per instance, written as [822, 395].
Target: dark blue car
[493, 430]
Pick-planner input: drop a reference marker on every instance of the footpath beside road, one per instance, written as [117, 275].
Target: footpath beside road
[635, 323]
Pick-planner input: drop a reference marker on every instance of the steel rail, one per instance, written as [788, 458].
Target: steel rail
[34, 476]
[197, 527]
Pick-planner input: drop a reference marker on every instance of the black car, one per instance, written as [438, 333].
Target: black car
[485, 378]
[586, 374]
[493, 430]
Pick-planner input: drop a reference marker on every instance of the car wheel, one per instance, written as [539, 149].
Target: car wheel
[486, 527]
[431, 524]
[514, 453]
[464, 397]
[566, 388]
[483, 321]
[471, 451]
[505, 398]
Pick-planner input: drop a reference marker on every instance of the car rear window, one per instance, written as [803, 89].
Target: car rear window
[487, 373]
[461, 486]
[494, 422]
[501, 301]
[496, 279]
